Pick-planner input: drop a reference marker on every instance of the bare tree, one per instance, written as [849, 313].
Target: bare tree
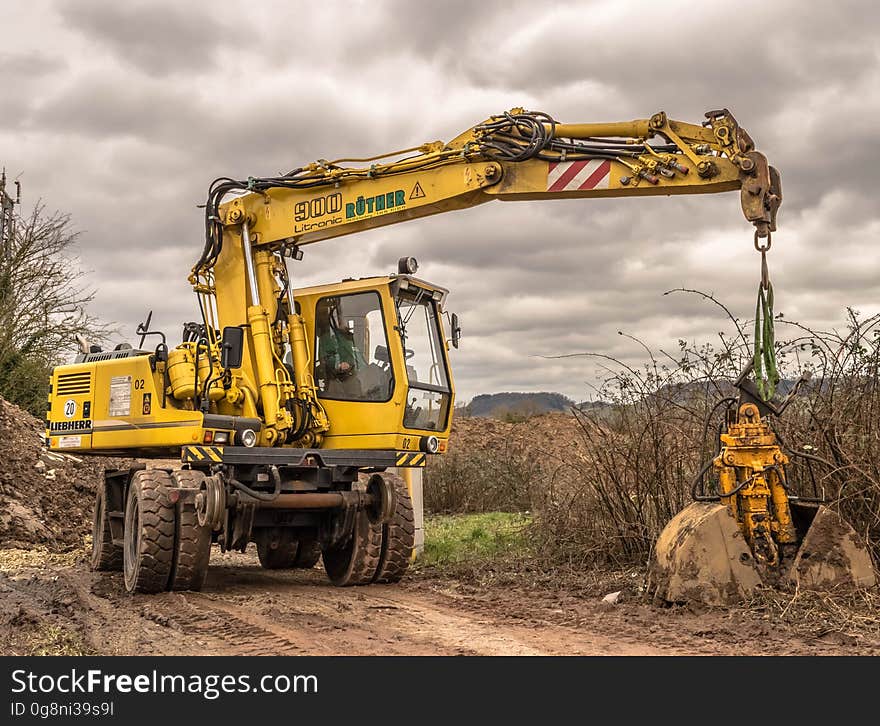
[42, 306]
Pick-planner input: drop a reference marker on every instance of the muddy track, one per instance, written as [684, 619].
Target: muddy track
[245, 610]
[229, 629]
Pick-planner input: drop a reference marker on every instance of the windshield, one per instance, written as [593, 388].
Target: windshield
[427, 404]
[421, 343]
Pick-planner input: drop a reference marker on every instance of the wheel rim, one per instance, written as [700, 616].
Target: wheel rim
[98, 527]
[132, 535]
[338, 561]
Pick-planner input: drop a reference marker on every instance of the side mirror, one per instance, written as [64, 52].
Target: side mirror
[456, 330]
[232, 347]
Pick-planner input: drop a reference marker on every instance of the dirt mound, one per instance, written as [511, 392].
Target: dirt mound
[494, 465]
[45, 497]
[556, 435]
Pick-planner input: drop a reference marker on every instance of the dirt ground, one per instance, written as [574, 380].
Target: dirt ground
[51, 603]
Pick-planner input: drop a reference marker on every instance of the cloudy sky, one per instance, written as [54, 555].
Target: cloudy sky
[122, 113]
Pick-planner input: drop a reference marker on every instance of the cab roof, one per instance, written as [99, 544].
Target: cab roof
[349, 285]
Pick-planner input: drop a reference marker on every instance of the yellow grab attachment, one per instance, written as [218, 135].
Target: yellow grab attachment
[756, 533]
[702, 556]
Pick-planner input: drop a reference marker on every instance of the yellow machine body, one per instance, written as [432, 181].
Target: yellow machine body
[127, 402]
[116, 405]
[757, 534]
[382, 424]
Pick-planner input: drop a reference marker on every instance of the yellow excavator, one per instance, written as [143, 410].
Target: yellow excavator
[287, 408]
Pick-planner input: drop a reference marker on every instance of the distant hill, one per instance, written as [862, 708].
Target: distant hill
[516, 406]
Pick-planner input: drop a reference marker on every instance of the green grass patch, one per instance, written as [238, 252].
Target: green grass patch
[454, 539]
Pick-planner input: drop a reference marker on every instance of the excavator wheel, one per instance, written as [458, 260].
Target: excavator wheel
[398, 536]
[149, 532]
[106, 556]
[357, 561]
[701, 556]
[192, 542]
[277, 548]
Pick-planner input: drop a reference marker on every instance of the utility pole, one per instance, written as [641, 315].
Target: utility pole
[7, 216]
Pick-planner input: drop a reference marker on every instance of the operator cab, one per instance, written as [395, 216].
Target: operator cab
[380, 362]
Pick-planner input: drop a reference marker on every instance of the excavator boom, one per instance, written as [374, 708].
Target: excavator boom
[518, 155]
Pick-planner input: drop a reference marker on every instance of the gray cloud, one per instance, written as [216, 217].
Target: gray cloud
[155, 38]
[28, 66]
[19, 73]
[121, 114]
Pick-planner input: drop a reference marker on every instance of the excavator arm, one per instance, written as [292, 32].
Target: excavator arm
[518, 155]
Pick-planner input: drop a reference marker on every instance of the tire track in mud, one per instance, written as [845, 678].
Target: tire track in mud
[288, 614]
[391, 616]
[268, 610]
[364, 620]
[212, 621]
[326, 620]
[304, 621]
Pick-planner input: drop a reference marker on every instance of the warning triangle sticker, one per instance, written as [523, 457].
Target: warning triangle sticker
[417, 192]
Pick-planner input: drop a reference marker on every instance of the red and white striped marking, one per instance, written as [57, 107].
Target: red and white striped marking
[570, 176]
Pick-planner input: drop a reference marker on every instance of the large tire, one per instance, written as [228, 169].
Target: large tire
[277, 549]
[106, 556]
[357, 561]
[192, 543]
[149, 532]
[398, 536]
[308, 554]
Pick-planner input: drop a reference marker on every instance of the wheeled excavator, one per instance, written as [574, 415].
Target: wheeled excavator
[288, 408]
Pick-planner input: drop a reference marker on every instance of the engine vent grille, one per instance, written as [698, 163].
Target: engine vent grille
[110, 355]
[70, 384]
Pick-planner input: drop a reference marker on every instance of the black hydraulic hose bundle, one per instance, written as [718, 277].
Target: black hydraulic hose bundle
[520, 137]
[697, 484]
[516, 137]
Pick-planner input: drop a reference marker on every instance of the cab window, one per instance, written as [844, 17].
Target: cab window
[351, 349]
[429, 393]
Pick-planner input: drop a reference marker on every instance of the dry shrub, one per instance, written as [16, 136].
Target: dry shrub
[639, 461]
[638, 457]
[500, 465]
[834, 427]
[606, 500]
[500, 480]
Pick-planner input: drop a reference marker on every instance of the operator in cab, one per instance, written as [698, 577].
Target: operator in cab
[338, 358]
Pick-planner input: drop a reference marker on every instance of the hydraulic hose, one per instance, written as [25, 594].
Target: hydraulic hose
[261, 496]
